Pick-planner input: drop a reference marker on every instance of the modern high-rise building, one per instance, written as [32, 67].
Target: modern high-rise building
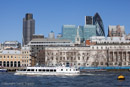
[89, 31]
[88, 20]
[96, 20]
[28, 28]
[93, 27]
[99, 25]
[69, 32]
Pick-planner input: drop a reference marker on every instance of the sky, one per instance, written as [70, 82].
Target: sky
[50, 15]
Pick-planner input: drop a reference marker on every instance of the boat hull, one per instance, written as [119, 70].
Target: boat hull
[3, 70]
[19, 73]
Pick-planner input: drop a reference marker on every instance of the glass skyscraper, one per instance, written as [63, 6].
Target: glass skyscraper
[28, 28]
[88, 20]
[69, 32]
[93, 27]
[89, 31]
[99, 24]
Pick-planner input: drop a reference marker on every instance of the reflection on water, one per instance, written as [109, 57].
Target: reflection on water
[97, 79]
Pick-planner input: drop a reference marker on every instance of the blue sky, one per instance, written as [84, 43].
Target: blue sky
[52, 14]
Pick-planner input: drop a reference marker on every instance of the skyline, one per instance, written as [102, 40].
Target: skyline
[51, 15]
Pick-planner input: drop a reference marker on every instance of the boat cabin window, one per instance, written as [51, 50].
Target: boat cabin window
[54, 70]
[32, 69]
[51, 70]
[66, 69]
[61, 69]
[40, 70]
[20, 70]
[28, 69]
[43, 70]
[76, 69]
[70, 69]
[24, 70]
[47, 70]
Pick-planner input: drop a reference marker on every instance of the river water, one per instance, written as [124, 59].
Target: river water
[97, 79]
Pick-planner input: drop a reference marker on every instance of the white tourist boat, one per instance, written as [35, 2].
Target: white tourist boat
[48, 71]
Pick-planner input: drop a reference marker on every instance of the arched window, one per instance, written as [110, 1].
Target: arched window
[15, 64]
[18, 63]
[4, 64]
[0, 63]
[11, 64]
[7, 63]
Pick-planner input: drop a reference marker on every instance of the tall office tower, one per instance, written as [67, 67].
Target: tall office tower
[99, 24]
[116, 31]
[28, 28]
[88, 20]
[97, 21]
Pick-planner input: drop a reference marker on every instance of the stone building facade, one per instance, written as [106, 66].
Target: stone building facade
[10, 58]
[91, 56]
[15, 58]
[26, 58]
[37, 48]
[112, 55]
[72, 56]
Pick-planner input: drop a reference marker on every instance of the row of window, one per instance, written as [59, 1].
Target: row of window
[68, 53]
[24, 60]
[119, 63]
[46, 42]
[25, 57]
[13, 57]
[101, 63]
[118, 59]
[48, 70]
[109, 47]
[9, 57]
[68, 48]
[26, 52]
[24, 65]
[10, 64]
[40, 70]
[68, 58]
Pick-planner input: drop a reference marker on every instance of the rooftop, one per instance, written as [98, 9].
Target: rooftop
[10, 52]
[49, 40]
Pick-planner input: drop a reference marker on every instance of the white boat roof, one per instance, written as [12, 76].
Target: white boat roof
[50, 67]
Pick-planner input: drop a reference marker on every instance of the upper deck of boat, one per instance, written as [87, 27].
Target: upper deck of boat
[51, 67]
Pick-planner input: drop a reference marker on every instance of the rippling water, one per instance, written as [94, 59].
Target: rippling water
[98, 79]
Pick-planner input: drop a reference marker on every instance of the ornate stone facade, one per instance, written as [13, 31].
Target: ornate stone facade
[73, 56]
[96, 55]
